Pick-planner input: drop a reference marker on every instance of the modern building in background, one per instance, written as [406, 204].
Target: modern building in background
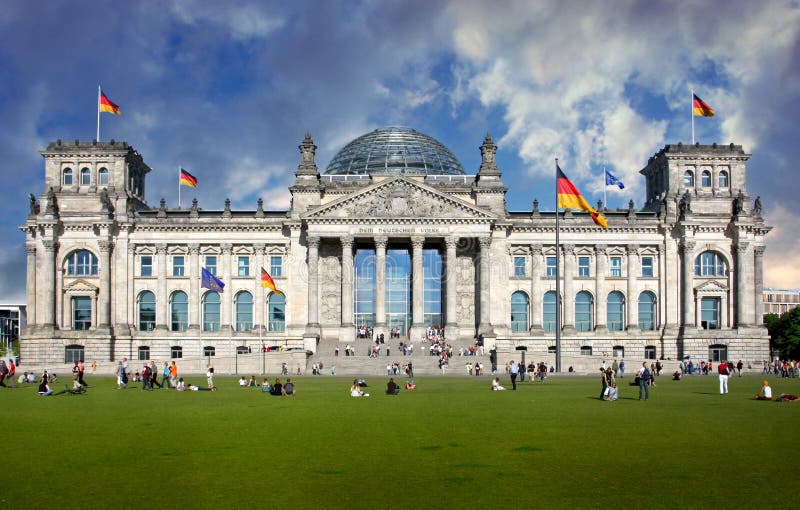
[396, 236]
[780, 301]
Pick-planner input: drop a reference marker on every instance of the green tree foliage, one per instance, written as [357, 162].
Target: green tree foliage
[784, 333]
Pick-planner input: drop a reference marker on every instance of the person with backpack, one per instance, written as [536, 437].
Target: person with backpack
[644, 381]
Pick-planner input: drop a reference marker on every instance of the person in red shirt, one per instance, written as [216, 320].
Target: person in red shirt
[722, 370]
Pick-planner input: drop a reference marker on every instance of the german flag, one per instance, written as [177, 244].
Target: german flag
[268, 283]
[700, 108]
[188, 179]
[107, 106]
[570, 198]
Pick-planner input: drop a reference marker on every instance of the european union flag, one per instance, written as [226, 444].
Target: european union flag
[613, 181]
[209, 281]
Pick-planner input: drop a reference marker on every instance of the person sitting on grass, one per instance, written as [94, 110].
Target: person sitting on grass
[676, 375]
[356, 391]
[613, 392]
[288, 388]
[410, 385]
[277, 388]
[765, 393]
[44, 388]
[181, 385]
[242, 382]
[496, 386]
[391, 387]
[265, 386]
[252, 382]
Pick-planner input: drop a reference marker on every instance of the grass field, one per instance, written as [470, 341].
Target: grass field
[452, 443]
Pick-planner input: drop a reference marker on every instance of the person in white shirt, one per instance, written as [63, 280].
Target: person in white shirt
[765, 393]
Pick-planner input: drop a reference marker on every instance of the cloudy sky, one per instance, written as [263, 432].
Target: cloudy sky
[228, 90]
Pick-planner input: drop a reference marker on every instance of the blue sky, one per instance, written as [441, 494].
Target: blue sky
[228, 90]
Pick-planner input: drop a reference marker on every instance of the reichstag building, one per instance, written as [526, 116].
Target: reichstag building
[394, 236]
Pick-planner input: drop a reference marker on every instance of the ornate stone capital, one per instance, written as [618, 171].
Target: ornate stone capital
[741, 248]
[451, 242]
[381, 241]
[759, 251]
[485, 242]
[536, 250]
[569, 249]
[688, 246]
[105, 246]
[631, 249]
[347, 241]
[260, 249]
[30, 249]
[161, 249]
[601, 249]
[226, 248]
[312, 241]
[417, 241]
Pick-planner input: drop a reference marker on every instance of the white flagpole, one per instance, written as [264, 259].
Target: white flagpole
[179, 186]
[558, 286]
[692, 112]
[98, 112]
[605, 187]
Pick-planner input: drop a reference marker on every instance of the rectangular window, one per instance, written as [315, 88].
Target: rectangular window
[551, 266]
[244, 266]
[146, 265]
[178, 265]
[176, 352]
[211, 264]
[616, 266]
[276, 266]
[583, 266]
[709, 313]
[81, 313]
[144, 353]
[647, 266]
[519, 266]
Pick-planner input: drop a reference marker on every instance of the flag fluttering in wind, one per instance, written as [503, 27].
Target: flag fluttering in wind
[106, 105]
[700, 108]
[613, 181]
[570, 198]
[209, 281]
[188, 179]
[268, 283]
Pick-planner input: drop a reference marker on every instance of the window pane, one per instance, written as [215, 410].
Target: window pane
[614, 316]
[647, 311]
[519, 312]
[276, 309]
[244, 311]
[86, 176]
[211, 311]
[81, 312]
[244, 266]
[176, 352]
[146, 266]
[211, 264]
[616, 266]
[551, 266]
[583, 266]
[102, 176]
[519, 266]
[147, 311]
[177, 265]
[647, 266]
[549, 311]
[179, 308]
[276, 266]
[688, 179]
[583, 311]
[67, 177]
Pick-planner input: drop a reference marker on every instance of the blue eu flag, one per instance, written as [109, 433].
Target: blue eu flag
[209, 281]
[613, 181]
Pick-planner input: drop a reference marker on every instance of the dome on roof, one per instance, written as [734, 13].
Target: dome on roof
[394, 150]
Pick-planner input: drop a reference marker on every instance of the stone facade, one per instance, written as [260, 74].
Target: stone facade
[107, 273]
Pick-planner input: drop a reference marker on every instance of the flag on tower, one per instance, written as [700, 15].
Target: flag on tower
[106, 105]
[188, 179]
[268, 283]
[700, 108]
[570, 198]
[613, 181]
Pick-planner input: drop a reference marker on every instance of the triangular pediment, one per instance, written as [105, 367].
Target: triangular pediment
[399, 198]
[712, 286]
[80, 287]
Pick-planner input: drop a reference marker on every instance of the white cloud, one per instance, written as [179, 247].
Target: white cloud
[244, 20]
[782, 257]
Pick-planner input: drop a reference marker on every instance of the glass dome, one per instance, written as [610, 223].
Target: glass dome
[394, 150]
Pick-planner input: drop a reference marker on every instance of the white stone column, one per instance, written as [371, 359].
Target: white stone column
[485, 325]
[687, 285]
[568, 320]
[742, 292]
[601, 294]
[226, 298]
[536, 290]
[632, 300]
[194, 287]
[260, 308]
[451, 264]
[347, 282]
[758, 281]
[313, 285]
[417, 283]
[49, 272]
[162, 301]
[104, 297]
[661, 319]
[380, 283]
[132, 310]
[30, 251]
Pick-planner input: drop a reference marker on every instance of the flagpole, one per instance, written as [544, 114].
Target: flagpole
[98, 112]
[558, 286]
[179, 186]
[605, 186]
[692, 112]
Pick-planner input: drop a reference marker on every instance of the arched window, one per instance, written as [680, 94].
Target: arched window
[723, 179]
[82, 263]
[102, 176]
[147, 311]
[688, 179]
[705, 178]
[709, 263]
[277, 312]
[86, 176]
[66, 177]
[244, 311]
[647, 311]
[209, 350]
[615, 311]
[549, 311]
[583, 311]
[519, 312]
[179, 311]
[211, 311]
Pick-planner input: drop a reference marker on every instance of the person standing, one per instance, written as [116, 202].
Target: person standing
[644, 380]
[621, 368]
[513, 370]
[615, 368]
[81, 371]
[76, 376]
[165, 376]
[604, 381]
[722, 370]
[154, 376]
[739, 367]
[173, 374]
[12, 371]
[120, 376]
[210, 377]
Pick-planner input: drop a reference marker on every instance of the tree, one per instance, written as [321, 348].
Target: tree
[784, 333]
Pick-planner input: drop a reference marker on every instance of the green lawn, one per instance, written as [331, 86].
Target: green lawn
[452, 443]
